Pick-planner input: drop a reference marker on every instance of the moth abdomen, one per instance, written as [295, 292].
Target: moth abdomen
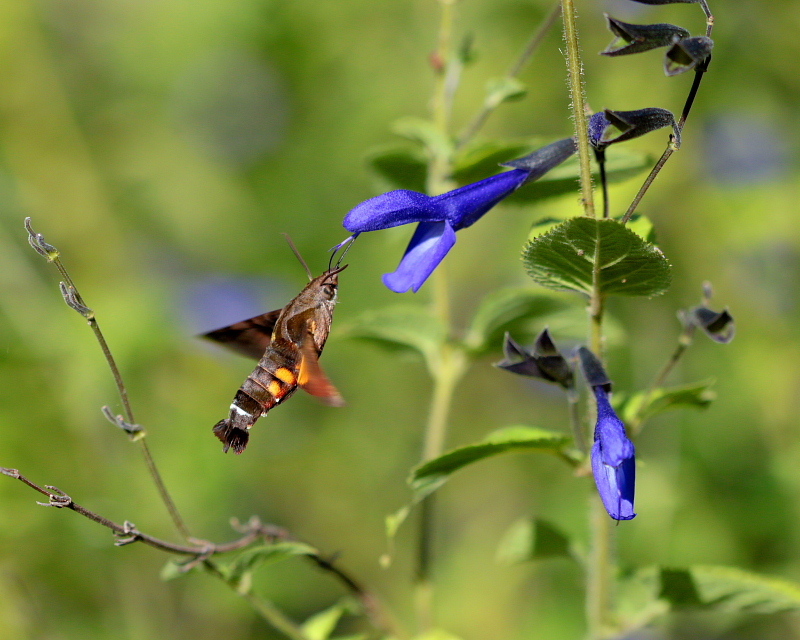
[233, 437]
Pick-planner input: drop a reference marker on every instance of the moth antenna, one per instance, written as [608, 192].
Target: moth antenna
[299, 257]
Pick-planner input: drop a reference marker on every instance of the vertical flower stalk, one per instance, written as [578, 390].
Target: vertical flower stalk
[575, 67]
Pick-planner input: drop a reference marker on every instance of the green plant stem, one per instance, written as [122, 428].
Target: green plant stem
[441, 164]
[488, 108]
[268, 611]
[599, 569]
[578, 432]
[684, 342]
[575, 69]
[448, 367]
[600, 561]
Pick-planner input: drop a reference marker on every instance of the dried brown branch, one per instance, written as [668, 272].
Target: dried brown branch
[75, 301]
[199, 551]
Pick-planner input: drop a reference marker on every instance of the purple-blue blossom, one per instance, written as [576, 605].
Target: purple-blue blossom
[439, 217]
[613, 460]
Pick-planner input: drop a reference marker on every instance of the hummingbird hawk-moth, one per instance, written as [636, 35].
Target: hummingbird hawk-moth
[287, 344]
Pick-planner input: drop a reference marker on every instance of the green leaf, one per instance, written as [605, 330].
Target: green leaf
[620, 166]
[516, 438]
[651, 591]
[320, 626]
[500, 90]
[253, 557]
[399, 167]
[563, 259]
[505, 310]
[678, 588]
[643, 227]
[642, 406]
[404, 328]
[175, 568]
[426, 133]
[480, 160]
[428, 477]
[731, 589]
[421, 491]
[532, 539]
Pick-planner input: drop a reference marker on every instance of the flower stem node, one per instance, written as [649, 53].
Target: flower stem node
[439, 217]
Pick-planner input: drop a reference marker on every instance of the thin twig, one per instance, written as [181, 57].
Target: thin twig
[127, 532]
[264, 607]
[527, 53]
[684, 342]
[75, 300]
[253, 531]
[672, 147]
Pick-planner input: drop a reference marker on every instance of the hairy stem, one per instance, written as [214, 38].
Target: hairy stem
[600, 561]
[575, 68]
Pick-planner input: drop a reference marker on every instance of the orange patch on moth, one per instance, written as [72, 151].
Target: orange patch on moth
[304, 374]
[284, 375]
[274, 388]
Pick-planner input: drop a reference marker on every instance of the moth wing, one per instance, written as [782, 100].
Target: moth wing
[249, 337]
[312, 378]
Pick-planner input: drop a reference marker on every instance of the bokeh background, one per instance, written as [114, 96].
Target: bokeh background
[164, 146]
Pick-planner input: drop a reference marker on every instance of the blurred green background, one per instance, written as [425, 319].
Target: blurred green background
[164, 146]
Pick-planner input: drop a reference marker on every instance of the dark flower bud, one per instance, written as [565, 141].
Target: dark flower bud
[719, 326]
[635, 38]
[628, 125]
[686, 54]
[545, 361]
[593, 370]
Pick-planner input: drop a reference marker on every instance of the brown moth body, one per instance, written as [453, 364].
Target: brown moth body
[287, 344]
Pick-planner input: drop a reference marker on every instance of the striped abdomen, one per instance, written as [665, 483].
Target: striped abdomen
[266, 386]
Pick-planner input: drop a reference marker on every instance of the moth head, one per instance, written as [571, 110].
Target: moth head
[330, 283]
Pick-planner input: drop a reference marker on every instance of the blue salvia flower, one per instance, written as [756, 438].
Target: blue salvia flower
[613, 460]
[439, 217]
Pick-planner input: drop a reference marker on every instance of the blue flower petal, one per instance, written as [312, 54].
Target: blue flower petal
[391, 209]
[464, 207]
[611, 431]
[428, 247]
[613, 460]
[615, 484]
[598, 124]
